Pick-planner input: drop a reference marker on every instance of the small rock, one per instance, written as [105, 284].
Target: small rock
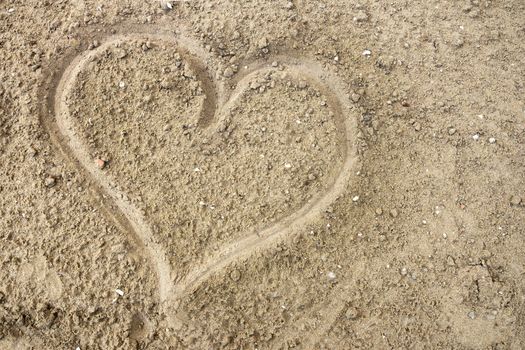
[475, 137]
[50, 181]
[379, 211]
[367, 53]
[471, 315]
[263, 43]
[451, 131]
[101, 163]
[302, 84]
[331, 276]
[457, 40]
[255, 85]
[361, 16]
[394, 213]
[31, 151]
[228, 72]
[227, 339]
[403, 271]
[355, 97]
[235, 275]
[451, 261]
[311, 177]
[351, 313]
[165, 84]
[492, 140]
[120, 53]
[146, 46]
[515, 200]
[355, 198]
[166, 5]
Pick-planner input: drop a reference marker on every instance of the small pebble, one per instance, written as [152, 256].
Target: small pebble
[32, 152]
[394, 213]
[235, 275]
[361, 16]
[122, 85]
[166, 5]
[50, 181]
[403, 271]
[475, 137]
[355, 198]
[367, 53]
[379, 211]
[120, 53]
[492, 140]
[101, 163]
[228, 72]
[451, 131]
[457, 40]
[331, 276]
[352, 313]
[515, 200]
[472, 315]
[263, 43]
[119, 292]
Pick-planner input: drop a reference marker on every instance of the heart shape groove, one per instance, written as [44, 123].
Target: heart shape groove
[214, 131]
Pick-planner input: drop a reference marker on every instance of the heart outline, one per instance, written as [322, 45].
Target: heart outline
[300, 68]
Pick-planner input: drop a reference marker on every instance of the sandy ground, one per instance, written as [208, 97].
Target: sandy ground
[262, 174]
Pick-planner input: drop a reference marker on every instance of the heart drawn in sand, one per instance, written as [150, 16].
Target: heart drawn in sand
[203, 170]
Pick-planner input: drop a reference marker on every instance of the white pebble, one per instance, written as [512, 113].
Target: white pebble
[355, 199]
[492, 140]
[367, 53]
[119, 292]
[331, 275]
[122, 84]
[475, 137]
[287, 165]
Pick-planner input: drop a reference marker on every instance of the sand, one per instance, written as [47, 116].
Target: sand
[262, 175]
